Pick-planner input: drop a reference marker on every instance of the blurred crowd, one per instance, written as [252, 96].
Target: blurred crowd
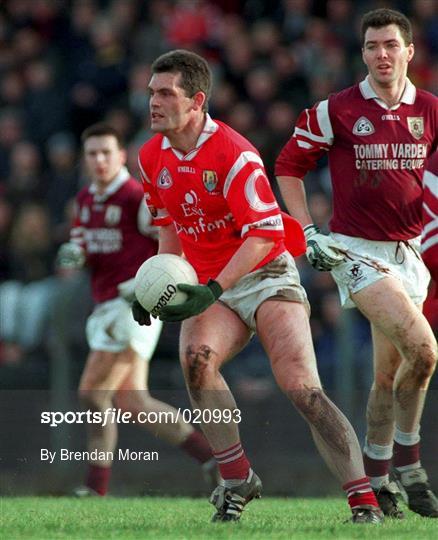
[65, 64]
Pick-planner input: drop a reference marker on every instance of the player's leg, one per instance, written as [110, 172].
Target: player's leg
[378, 447]
[141, 342]
[386, 304]
[289, 346]
[133, 396]
[102, 375]
[108, 333]
[206, 342]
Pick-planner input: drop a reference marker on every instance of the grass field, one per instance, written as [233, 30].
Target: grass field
[182, 518]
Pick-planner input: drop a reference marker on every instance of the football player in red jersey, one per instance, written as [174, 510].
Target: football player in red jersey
[207, 189]
[112, 234]
[377, 134]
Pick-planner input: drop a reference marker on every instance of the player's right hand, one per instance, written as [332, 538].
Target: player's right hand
[322, 251]
[70, 255]
[140, 315]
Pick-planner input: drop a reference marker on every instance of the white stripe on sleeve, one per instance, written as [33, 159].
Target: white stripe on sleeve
[311, 136]
[241, 161]
[430, 242]
[271, 223]
[143, 174]
[430, 181]
[144, 222]
[304, 144]
[324, 123]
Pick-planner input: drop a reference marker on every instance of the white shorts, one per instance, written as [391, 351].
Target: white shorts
[111, 327]
[373, 260]
[278, 279]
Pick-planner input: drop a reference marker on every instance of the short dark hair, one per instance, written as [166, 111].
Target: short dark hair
[101, 129]
[378, 18]
[195, 72]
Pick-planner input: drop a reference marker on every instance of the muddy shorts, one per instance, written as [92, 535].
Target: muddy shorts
[371, 260]
[278, 279]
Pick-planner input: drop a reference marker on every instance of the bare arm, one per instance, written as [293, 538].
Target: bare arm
[253, 250]
[294, 196]
[168, 240]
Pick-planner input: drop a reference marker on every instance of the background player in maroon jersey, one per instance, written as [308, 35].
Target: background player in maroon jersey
[113, 235]
[207, 189]
[429, 237]
[377, 134]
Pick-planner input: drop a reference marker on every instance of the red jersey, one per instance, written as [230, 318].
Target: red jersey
[376, 158]
[216, 195]
[429, 237]
[115, 230]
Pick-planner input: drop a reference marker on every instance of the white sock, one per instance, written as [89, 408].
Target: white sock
[410, 467]
[407, 439]
[377, 451]
[378, 481]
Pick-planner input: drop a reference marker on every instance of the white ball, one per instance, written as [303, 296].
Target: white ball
[157, 278]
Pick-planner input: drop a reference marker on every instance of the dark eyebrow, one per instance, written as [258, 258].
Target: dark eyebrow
[373, 41]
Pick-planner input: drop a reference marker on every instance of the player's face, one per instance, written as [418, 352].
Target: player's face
[103, 158]
[170, 109]
[386, 54]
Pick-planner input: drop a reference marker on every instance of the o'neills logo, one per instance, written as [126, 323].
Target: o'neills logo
[167, 295]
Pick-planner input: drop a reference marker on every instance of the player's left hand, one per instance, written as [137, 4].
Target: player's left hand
[199, 298]
[323, 252]
[140, 314]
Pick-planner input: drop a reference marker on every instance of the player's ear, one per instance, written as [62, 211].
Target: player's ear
[199, 100]
[123, 155]
[411, 51]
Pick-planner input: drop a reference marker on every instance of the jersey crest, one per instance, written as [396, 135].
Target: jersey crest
[164, 179]
[416, 126]
[113, 214]
[363, 127]
[210, 180]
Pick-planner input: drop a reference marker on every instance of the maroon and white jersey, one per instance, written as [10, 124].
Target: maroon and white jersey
[376, 158]
[429, 237]
[115, 230]
[217, 195]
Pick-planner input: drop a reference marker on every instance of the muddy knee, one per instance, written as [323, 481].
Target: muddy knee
[384, 381]
[422, 359]
[421, 370]
[309, 401]
[427, 363]
[198, 363]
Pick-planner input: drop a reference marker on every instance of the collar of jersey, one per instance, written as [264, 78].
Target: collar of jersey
[118, 181]
[407, 97]
[210, 127]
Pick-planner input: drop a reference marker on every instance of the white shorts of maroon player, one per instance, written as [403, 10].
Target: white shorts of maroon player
[369, 261]
[111, 327]
[276, 280]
